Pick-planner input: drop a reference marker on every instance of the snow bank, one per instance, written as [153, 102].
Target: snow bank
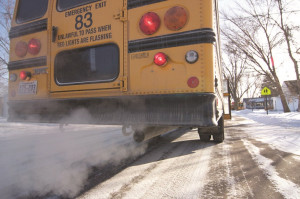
[280, 130]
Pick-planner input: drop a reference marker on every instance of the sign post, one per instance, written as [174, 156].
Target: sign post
[266, 92]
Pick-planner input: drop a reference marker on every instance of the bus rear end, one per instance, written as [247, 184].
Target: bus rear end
[140, 63]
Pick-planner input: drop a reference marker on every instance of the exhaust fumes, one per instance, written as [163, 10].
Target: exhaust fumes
[41, 159]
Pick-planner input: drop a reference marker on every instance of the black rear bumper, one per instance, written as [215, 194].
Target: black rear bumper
[171, 110]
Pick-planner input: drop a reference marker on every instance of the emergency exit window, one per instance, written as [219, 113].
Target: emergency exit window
[68, 4]
[87, 65]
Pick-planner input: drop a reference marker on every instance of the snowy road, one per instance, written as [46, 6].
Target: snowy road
[87, 162]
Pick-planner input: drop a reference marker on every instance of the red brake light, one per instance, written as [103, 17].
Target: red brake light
[34, 46]
[193, 82]
[175, 18]
[24, 75]
[149, 23]
[160, 59]
[21, 49]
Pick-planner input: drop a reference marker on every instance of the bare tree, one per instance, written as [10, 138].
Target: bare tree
[234, 71]
[287, 30]
[251, 30]
[255, 82]
[6, 13]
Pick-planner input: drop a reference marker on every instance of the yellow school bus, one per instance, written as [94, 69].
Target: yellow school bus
[149, 65]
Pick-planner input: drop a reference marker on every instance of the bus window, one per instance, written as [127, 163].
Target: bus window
[67, 4]
[31, 9]
[87, 65]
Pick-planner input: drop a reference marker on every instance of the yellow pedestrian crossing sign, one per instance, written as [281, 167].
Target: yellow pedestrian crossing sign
[266, 91]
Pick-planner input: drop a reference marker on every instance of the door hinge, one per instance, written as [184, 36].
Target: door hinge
[122, 15]
[123, 83]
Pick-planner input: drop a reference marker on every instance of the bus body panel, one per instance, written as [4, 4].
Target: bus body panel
[133, 89]
[83, 27]
[39, 65]
[147, 78]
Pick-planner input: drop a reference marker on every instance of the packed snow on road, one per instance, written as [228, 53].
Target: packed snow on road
[44, 160]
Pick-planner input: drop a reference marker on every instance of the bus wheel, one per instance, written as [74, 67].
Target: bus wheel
[204, 134]
[205, 138]
[219, 138]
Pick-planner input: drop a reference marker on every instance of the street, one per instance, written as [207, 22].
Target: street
[183, 167]
[177, 165]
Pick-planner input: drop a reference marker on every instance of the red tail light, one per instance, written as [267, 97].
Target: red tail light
[193, 82]
[175, 18]
[25, 75]
[21, 49]
[34, 46]
[149, 23]
[160, 59]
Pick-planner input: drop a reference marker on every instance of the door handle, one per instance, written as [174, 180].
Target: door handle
[54, 33]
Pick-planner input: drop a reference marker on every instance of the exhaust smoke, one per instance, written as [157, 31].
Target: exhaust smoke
[41, 159]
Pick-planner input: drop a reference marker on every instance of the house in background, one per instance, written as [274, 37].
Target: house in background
[290, 90]
[258, 103]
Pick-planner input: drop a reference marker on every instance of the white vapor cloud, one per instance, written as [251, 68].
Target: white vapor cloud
[39, 158]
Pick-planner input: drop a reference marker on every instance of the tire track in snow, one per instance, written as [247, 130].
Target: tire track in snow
[126, 187]
[288, 189]
[246, 179]
[173, 170]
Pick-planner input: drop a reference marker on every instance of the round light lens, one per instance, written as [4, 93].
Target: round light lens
[149, 23]
[13, 77]
[193, 82]
[34, 46]
[175, 18]
[160, 59]
[21, 49]
[24, 75]
[191, 56]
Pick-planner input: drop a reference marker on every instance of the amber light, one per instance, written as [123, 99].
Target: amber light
[175, 18]
[160, 59]
[193, 82]
[34, 46]
[21, 49]
[149, 23]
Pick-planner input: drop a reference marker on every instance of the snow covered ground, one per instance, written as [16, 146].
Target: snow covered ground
[41, 158]
[279, 130]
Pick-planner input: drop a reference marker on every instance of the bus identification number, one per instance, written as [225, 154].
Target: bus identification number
[83, 21]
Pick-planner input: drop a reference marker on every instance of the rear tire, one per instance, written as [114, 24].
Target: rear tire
[205, 138]
[219, 138]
